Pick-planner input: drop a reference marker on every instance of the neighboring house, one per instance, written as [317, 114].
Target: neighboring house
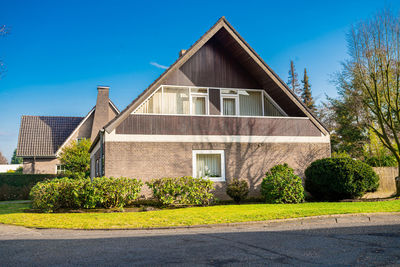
[41, 138]
[9, 167]
[218, 112]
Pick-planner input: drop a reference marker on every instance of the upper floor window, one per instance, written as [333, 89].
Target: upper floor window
[183, 100]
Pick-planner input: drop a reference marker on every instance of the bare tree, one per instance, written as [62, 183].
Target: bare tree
[374, 68]
[3, 159]
[293, 80]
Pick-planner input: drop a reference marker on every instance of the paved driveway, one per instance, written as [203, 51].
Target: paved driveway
[358, 240]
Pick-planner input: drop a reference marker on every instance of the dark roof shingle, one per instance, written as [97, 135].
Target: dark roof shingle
[41, 136]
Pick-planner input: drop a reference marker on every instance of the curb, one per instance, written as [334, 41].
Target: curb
[330, 219]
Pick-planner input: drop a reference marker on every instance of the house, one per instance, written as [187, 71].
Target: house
[9, 167]
[218, 112]
[41, 138]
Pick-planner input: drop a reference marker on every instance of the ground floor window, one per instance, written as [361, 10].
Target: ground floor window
[209, 164]
[97, 168]
[60, 169]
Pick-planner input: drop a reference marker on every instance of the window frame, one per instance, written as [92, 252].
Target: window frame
[97, 168]
[230, 96]
[207, 95]
[62, 169]
[206, 103]
[213, 152]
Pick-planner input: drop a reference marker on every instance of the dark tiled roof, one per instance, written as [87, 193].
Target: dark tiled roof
[41, 136]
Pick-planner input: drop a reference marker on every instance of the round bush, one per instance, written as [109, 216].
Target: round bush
[237, 190]
[67, 193]
[340, 178]
[281, 185]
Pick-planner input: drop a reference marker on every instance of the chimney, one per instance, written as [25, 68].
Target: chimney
[182, 52]
[101, 113]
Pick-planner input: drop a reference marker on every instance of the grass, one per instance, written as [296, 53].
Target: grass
[13, 213]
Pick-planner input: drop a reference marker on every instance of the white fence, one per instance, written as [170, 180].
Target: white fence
[7, 167]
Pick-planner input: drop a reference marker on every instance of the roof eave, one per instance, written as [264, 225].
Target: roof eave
[96, 139]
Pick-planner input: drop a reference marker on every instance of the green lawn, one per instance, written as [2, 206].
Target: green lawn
[12, 213]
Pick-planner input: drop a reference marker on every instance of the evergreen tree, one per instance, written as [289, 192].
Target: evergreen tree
[306, 95]
[293, 80]
[15, 159]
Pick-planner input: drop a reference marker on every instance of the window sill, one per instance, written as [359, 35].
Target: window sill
[216, 179]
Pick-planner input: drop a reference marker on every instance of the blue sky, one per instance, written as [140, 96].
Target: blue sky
[57, 52]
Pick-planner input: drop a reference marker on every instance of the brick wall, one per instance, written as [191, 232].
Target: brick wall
[42, 166]
[250, 161]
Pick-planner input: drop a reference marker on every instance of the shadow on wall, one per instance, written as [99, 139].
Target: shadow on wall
[251, 161]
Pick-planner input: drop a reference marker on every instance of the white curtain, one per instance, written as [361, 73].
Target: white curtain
[250, 103]
[270, 109]
[199, 105]
[229, 106]
[176, 100]
[153, 105]
[208, 165]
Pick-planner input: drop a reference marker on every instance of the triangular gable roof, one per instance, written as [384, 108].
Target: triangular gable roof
[222, 23]
[81, 123]
[40, 136]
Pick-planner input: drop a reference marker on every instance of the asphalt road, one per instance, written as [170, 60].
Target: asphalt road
[355, 240]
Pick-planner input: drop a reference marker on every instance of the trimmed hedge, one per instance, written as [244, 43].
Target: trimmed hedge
[281, 185]
[16, 186]
[68, 193]
[335, 179]
[182, 191]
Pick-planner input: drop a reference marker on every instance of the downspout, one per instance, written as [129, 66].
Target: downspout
[34, 165]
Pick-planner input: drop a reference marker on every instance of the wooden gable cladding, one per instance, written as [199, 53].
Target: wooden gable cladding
[215, 101]
[215, 125]
[232, 47]
[224, 36]
[212, 66]
[222, 62]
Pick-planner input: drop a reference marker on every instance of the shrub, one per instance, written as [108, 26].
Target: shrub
[16, 186]
[381, 161]
[281, 185]
[67, 193]
[116, 192]
[76, 159]
[182, 190]
[237, 190]
[340, 178]
[54, 194]
[340, 154]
